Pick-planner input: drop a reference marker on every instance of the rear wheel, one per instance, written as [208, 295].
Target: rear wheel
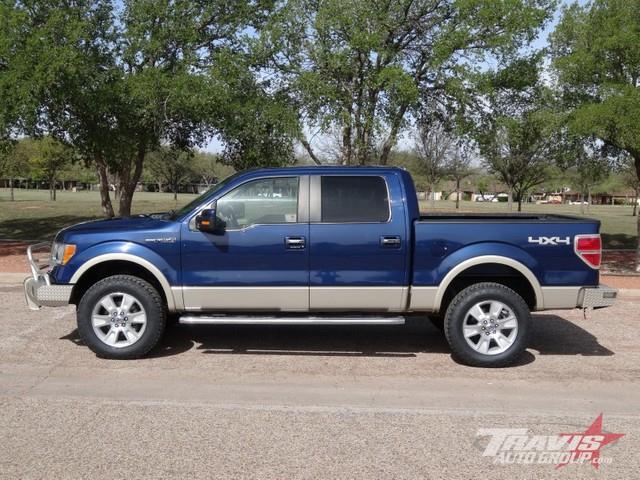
[121, 317]
[487, 325]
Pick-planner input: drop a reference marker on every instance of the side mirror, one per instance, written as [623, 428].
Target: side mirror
[208, 222]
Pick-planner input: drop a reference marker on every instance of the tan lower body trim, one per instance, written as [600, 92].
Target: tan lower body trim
[286, 299]
[423, 299]
[178, 300]
[390, 299]
[560, 297]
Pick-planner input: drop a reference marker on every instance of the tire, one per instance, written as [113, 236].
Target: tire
[121, 317]
[474, 310]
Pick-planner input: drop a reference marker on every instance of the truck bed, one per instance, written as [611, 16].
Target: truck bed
[544, 243]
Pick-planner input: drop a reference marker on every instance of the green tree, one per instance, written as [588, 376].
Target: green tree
[61, 76]
[8, 165]
[258, 127]
[365, 67]
[590, 169]
[117, 81]
[515, 130]
[596, 56]
[433, 147]
[50, 160]
[484, 183]
[209, 169]
[516, 150]
[458, 167]
[632, 181]
[172, 167]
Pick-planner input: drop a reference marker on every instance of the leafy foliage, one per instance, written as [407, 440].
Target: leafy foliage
[596, 57]
[50, 158]
[365, 67]
[116, 81]
[515, 133]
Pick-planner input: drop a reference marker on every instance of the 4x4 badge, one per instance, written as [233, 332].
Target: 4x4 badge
[161, 240]
[550, 240]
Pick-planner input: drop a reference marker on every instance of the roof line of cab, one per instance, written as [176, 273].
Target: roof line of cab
[254, 173]
[306, 169]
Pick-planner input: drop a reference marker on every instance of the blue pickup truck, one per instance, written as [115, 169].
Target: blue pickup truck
[319, 245]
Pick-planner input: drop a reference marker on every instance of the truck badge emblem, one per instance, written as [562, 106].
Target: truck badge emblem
[550, 240]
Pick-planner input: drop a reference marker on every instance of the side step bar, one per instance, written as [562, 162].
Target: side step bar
[292, 320]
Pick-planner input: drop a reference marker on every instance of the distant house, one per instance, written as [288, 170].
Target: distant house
[622, 197]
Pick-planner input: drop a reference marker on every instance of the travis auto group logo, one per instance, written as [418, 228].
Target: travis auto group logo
[517, 446]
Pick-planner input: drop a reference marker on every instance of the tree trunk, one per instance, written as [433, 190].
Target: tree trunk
[510, 199]
[588, 199]
[433, 196]
[307, 147]
[635, 202]
[457, 193]
[129, 184]
[581, 203]
[636, 159]
[393, 134]
[175, 194]
[638, 243]
[346, 145]
[520, 202]
[52, 190]
[12, 196]
[105, 198]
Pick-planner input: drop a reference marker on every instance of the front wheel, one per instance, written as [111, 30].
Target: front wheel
[487, 325]
[121, 317]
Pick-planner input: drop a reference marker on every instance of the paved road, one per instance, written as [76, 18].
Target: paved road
[295, 402]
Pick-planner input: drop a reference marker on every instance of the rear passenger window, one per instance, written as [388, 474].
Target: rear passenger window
[354, 199]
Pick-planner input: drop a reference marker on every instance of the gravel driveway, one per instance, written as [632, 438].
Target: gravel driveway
[300, 402]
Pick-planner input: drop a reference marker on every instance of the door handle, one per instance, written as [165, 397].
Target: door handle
[294, 243]
[390, 241]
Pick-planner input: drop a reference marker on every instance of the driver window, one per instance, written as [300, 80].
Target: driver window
[264, 201]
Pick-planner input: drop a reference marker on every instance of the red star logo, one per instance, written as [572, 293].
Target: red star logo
[590, 441]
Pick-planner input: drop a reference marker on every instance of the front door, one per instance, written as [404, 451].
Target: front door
[261, 261]
[359, 243]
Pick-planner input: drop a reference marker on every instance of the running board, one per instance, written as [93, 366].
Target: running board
[267, 320]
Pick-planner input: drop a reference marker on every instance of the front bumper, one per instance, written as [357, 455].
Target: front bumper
[597, 297]
[38, 290]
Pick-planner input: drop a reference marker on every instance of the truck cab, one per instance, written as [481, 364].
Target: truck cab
[319, 245]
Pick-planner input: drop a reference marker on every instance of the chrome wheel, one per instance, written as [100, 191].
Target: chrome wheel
[490, 327]
[119, 319]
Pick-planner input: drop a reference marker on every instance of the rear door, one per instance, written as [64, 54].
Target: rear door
[358, 243]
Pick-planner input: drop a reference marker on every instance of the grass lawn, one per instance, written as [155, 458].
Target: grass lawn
[33, 217]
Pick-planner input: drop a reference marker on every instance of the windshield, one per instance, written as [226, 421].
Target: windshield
[198, 200]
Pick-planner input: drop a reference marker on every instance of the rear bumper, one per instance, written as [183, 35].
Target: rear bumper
[597, 297]
[38, 290]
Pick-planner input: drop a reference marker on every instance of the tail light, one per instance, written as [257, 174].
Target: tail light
[589, 249]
